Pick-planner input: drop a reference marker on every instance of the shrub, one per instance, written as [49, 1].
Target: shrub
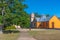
[10, 28]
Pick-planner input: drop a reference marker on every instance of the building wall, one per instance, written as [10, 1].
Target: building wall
[56, 22]
[45, 24]
[42, 24]
[38, 24]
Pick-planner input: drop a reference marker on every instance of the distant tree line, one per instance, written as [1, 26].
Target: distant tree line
[39, 15]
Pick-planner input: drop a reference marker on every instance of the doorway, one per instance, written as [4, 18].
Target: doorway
[52, 24]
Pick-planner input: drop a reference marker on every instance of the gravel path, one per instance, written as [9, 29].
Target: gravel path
[24, 35]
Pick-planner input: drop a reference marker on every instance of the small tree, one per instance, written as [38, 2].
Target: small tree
[37, 15]
[47, 15]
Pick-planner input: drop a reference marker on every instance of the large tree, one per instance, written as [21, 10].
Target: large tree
[14, 13]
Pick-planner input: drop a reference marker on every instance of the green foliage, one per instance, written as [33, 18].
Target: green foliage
[14, 13]
[10, 28]
[37, 15]
[0, 19]
[47, 15]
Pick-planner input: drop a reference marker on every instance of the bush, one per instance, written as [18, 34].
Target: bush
[10, 28]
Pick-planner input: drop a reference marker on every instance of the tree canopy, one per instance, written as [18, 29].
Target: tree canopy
[14, 13]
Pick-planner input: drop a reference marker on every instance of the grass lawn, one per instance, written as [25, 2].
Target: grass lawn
[46, 34]
[12, 36]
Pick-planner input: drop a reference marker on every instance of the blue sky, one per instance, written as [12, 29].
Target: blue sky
[51, 7]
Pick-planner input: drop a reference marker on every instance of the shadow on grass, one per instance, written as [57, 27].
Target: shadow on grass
[10, 31]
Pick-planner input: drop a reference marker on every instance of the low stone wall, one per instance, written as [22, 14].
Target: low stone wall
[35, 29]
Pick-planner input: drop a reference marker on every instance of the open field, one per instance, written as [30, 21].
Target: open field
[46, 34]
[12, 36]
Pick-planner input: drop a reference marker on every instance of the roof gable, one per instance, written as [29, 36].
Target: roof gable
[54, 17]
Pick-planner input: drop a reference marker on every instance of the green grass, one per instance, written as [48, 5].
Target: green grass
[12, 36]
[46, 34]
